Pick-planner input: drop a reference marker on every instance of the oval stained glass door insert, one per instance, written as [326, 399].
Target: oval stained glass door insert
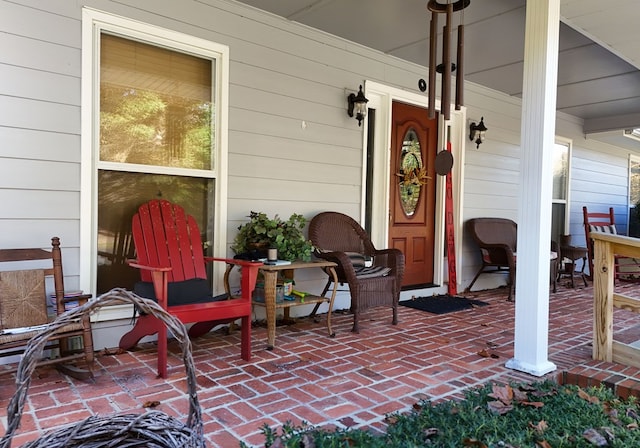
[411, 172]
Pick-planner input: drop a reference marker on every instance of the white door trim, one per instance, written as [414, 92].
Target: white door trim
[380, 98]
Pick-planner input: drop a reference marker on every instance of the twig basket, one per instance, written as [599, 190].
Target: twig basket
[151, 429]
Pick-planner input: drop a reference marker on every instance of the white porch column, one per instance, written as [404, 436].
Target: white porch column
[534, 217]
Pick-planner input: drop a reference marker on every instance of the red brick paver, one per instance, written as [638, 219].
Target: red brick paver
[346, 381]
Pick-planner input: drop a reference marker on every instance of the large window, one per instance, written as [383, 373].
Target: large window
[560, 198]
[157, 132]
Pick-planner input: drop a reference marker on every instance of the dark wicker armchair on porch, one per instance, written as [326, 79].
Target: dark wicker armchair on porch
[497, 239]
[339, 238]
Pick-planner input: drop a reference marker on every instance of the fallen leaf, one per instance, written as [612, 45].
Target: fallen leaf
[473, 442]
[594, 437]
[543, 444]
[484, 353]
[502, 393]
[151, 404]
[585, 396]
[348, 422]
[391, 419]
[533, 404]
[632, 413]
[499, 407]
[540, 427]
[520, 395]
[430, 432]
[608, 432]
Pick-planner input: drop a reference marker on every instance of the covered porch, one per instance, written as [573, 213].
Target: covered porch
[350, 380]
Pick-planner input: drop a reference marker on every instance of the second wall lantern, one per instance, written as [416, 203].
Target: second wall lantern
[357, 106]
[477, 132]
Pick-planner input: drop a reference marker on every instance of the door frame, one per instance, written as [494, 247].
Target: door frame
[380, 98]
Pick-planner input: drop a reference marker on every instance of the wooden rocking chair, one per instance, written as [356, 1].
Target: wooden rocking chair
[172, 267]
[23, 309]
[627, 269]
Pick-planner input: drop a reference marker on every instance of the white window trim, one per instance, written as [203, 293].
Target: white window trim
[93, 22]
[567, 202]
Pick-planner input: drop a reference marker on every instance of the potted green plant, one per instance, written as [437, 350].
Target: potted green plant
[261, 233]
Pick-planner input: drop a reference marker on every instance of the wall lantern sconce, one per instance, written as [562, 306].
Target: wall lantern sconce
[477, 132]
[357, 104]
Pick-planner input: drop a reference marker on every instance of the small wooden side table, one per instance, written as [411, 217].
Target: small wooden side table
[270, 273]
[573, 253]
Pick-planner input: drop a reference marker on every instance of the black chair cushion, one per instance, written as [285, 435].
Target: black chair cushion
[195, 290]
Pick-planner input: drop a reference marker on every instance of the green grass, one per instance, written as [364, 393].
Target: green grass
[539, 415]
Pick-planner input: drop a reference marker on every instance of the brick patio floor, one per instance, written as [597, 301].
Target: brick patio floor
[351, 380]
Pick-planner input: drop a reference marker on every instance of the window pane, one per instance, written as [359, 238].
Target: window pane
[558, 219]
[560, 171]
[634, 182]
[117, 203]
[156, 105]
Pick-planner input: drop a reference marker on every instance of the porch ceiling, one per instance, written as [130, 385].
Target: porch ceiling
[599, 60]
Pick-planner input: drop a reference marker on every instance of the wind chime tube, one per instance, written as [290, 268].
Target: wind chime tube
[446, 63]
[460, 69]
[433, 42]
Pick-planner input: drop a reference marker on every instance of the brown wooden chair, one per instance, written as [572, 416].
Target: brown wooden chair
[339, 238]
[23, 309]
[173, 272]
[625, 268]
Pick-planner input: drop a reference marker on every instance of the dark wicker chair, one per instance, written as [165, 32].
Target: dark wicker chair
[339, 238]
[497, 239]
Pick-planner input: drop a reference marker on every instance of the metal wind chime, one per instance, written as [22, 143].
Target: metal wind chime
[447, 66]
[444, 159]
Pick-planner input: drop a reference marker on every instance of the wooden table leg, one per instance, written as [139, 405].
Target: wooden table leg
[334, 276]
[270, 281]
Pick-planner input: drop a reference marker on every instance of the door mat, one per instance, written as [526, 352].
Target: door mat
[442, 304]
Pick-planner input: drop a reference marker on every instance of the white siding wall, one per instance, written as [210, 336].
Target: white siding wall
[281, 75]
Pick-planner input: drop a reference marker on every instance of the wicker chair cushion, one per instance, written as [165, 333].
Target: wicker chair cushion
[357, 259]
[362, 271]
[372, 272]
[23, 299]
[195, 290]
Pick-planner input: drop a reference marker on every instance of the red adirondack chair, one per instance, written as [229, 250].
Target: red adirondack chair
[172, 268]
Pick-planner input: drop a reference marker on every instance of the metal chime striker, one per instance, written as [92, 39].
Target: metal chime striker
[446, 67]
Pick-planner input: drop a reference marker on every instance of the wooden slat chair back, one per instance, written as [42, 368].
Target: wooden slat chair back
[172, 267]
[23, 309]
[625, 268]
[339, 238]
[603, 220]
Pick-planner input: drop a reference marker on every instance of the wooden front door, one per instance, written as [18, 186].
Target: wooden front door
[414, 140]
